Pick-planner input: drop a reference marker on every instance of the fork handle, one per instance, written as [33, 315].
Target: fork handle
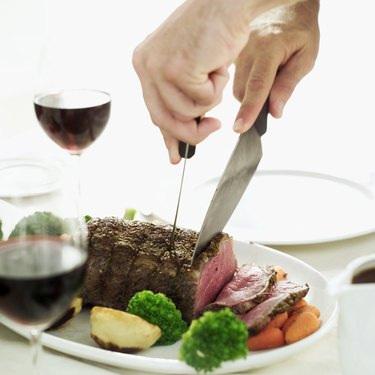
[185, 150]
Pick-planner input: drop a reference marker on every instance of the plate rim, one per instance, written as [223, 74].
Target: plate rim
[158, 365]
[365, 190]
[48, 164]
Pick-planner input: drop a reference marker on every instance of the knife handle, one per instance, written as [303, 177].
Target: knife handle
[185, 150]
[261, 121]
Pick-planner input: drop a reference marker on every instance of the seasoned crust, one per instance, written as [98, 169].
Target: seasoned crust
[128, 256]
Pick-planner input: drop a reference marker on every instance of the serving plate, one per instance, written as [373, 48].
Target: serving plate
[74, 338]
[29, 175]
[285, 207]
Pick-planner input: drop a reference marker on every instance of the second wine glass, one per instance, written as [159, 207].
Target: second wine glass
[42, 263]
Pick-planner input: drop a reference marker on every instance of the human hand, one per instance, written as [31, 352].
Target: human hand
[183, 65]
[281, 50]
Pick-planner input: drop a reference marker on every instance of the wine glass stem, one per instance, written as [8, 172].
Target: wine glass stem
[36, 348]
[77, 178]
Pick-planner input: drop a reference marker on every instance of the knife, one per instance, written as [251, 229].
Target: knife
[237, 174]
[186, 151]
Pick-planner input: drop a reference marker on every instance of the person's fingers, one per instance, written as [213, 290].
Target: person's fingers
[181, 106]
[188, 130]
[204, 90]
[206, 126]
[257, 90]
[172, 146]
[286, 81]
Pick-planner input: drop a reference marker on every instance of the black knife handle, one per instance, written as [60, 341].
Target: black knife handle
[182, 145]
[182, 150]
[261, 121]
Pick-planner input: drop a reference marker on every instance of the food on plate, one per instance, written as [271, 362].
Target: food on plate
[74, 309]
[249, 286]
[87, 218]
[161, 311]
[310, 308]
[129, 213]
[302, 322]
[281, 297]
[287, 327]
[215, 337]
[131, 262]
[280, 273]
[126, 257]
[38, 223]
[269, 338]
[120, 331]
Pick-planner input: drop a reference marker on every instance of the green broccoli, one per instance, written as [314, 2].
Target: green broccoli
[215, 337]
[87, 218]
[40, 222]
[1, 230]
[129, 214]
[161, 311]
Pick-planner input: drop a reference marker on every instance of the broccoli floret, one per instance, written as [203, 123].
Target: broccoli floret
[87, 218]
[161, 311]
[1, 230]
[212, 339]
[40, 222]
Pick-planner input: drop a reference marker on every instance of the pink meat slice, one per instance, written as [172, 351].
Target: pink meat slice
[282, 296]
[247, 288]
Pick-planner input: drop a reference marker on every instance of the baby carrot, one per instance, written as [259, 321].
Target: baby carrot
[269, 337]
[300, 326]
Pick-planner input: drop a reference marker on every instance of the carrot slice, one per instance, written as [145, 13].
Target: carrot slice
[310, 308]
[269, 337]
[302, 325]
[278, 320]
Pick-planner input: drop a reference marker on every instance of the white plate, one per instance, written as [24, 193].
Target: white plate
[286, 207]
[29, 176]
[74, 339]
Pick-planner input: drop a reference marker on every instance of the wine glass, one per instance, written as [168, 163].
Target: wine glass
[72, 102]
[73, 118]
[42, 263]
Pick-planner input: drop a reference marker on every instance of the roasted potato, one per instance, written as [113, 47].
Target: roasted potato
[120, 331]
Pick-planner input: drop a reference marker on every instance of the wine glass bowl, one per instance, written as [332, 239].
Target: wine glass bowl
[73, 118]
[42, 261]
[39, 277]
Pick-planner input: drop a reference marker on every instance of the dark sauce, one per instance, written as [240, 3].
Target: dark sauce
[364, 277]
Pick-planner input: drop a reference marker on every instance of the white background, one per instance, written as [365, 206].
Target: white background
[327, 125]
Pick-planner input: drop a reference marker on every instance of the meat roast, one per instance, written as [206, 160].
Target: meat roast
[129, 256]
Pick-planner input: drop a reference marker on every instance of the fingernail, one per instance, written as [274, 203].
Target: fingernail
[238, 124]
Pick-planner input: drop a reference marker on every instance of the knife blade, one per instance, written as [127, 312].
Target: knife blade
[186, 151]
[237, 174]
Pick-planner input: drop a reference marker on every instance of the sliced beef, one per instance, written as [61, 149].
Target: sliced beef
[281, 297]
[248, 287]
[129, 256]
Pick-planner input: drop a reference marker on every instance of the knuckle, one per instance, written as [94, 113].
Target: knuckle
[239, 91]
[257, 82]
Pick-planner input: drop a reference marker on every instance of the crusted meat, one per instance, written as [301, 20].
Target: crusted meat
[129, 256]
[280, 298]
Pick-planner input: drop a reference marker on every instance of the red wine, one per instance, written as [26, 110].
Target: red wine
[38, 279]
[73, 119]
